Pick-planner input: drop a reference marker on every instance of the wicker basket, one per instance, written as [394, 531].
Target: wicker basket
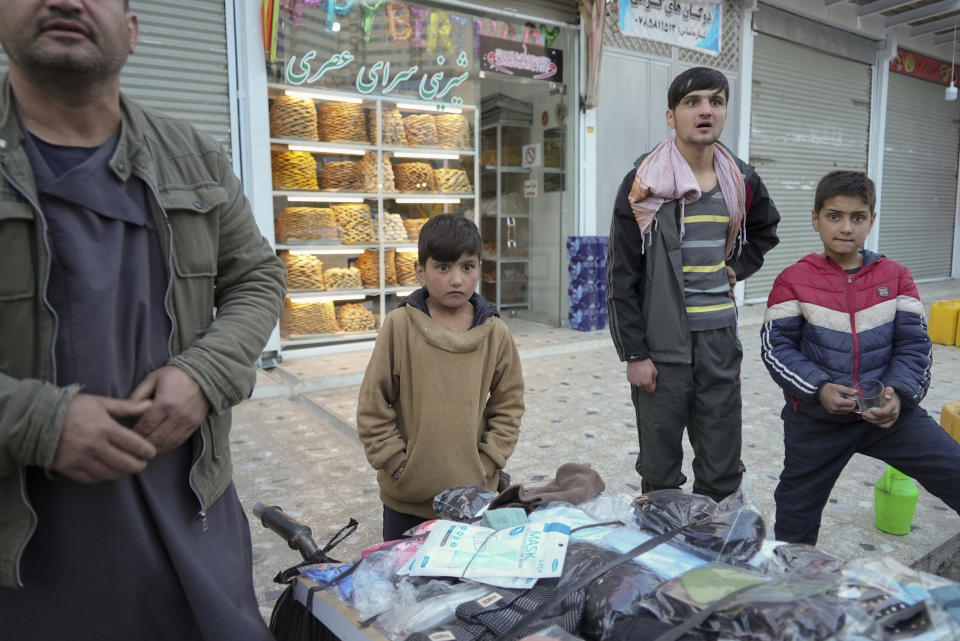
[356, 225]
[451, 180]
[293, 118]
[343, 278]
[355, 317]
[413, 226]
[342, 122]
[309, 223]
[393, 133]
[304, 319]
[453, 132]
[304, 271]
[343, 175]
[407, 268]
[420, 130]
[294, 170]
[413, 176]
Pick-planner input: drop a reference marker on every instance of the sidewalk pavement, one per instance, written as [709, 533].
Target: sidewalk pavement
[295, 445]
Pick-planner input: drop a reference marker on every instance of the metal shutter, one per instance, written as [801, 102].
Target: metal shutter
[918, 204]
[180, 66]
[810, 115]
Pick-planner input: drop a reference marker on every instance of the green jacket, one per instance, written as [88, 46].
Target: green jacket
[644, 284]
[216, 259]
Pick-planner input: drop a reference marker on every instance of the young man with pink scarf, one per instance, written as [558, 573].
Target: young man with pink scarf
[689, 222]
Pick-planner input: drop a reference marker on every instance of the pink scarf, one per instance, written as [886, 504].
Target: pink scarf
[665, 175]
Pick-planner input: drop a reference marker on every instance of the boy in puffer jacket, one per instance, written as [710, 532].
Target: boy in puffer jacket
[833, 320]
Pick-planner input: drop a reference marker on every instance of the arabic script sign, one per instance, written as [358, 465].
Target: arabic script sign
[692, 25]
[520, 59]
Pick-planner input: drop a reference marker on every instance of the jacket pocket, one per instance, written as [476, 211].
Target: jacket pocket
[196, 228]
[193, 217]
[18, 259]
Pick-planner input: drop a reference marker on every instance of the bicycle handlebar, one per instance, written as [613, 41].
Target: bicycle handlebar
[297, 535]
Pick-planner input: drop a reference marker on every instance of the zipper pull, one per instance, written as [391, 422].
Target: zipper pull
[202, 517]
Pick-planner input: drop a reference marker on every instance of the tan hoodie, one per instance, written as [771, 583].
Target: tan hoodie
[447, 402]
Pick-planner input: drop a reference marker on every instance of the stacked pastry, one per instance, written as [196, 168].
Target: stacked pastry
[369, 265]
[343, 278]
[294, 170]
[407, 268]
[303, 318]
[393, 132]
[293, 118]
[306, 223]
[393, 229]
[452, 131]
[451, 180]
[356, 225]
[304, 271]
[367, 169]
[342, 122]
[413, 226]
[340, 175]
[413, 176]
[355, 317]
[420, 130]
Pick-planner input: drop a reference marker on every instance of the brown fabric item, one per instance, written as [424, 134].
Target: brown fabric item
[573, 483]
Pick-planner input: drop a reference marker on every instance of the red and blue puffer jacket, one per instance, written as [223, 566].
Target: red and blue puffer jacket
[823, 325]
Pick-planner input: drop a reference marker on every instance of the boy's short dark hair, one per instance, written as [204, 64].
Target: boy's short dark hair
[696, 79]
[845, 183]
[446, 237]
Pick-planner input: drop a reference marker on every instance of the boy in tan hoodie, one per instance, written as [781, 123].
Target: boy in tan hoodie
[442, 396]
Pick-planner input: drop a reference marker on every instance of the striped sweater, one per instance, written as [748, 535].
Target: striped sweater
[823, 325]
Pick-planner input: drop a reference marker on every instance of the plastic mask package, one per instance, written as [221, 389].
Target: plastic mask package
[510, 558]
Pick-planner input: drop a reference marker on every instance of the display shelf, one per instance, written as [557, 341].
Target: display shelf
[366, 131]
[504, 226]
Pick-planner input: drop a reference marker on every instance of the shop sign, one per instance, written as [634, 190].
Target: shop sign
[531, 155]
[692, 25]
[921, 66]
[530, 188]
[520, 59]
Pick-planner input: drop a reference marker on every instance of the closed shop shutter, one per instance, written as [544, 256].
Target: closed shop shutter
[180, 66]
[810, 115]
[918, 204]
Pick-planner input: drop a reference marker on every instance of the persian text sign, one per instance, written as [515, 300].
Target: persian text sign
[521, 59]
[692, 25]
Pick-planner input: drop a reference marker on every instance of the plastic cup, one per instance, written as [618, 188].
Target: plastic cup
[869, 395]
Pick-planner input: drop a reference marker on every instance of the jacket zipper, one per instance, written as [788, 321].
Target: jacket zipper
[53, 359]
[202, 514]
[853, 330]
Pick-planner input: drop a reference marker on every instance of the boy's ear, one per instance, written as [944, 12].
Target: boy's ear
[816, 220]
[671, 121]
[418, 268]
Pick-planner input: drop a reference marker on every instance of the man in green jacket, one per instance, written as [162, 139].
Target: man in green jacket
[688, 223]
[136, 294]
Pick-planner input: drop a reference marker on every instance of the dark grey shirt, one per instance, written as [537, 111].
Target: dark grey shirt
[706, 291]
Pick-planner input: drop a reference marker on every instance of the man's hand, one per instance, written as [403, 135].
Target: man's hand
[643, 374]
[731, 279]
[889, 413]
[178, 407]
[837, 399]
[94, 447]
